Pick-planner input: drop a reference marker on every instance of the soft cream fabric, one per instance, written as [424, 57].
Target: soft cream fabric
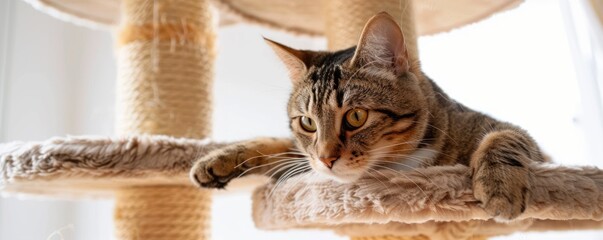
[96, 166]
[421, 201]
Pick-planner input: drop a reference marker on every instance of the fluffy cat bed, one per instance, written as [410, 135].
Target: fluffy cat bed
[96, 166]
[437, 201]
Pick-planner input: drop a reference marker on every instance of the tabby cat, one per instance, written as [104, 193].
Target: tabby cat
[370, 107]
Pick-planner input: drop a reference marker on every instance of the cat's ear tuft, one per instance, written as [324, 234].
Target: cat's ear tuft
[381, 44]
[296, 61]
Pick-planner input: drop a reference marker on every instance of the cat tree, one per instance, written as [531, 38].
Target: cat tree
[165, 52]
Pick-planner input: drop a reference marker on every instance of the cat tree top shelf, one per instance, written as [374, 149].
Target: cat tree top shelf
[298, 16]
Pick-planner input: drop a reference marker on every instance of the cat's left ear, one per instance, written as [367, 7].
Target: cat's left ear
[382, 45]
[296, 61]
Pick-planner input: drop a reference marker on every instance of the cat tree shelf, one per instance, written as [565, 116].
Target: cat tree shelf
[95, 167]
[436, 201]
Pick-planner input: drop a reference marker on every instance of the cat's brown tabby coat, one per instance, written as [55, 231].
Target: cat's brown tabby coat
[370, 108]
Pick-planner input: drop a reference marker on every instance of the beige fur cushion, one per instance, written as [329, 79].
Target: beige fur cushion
[96, 166]
[424, 201]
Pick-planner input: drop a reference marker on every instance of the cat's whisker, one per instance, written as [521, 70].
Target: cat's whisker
[294, 152]
[405, 165]
[395, 162]
[283, 166]
[305, 177]
[270, 163]
[376, 178]
[387, 162]
[286, 175]
[298, 180]
[279, 162]
[409, 179]
[402, 157]
[428, 150]
[298, 169]
[439, 129]
[411, 169]
[386, 177]
[396, 158]
[291, 169]
[269, 156]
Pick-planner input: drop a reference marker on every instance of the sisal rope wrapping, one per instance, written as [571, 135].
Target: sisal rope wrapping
[165, 73]
[173, 100]
[345, 20]
[168, 212]
[165, 68]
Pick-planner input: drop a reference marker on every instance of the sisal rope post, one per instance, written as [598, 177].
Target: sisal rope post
[345, 20]
[162, 212]
[165, 52]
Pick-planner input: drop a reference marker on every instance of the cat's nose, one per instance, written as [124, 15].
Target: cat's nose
[328, 161]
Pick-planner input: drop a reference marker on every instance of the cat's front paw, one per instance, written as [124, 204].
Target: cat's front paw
[504, 199]
[216, 169]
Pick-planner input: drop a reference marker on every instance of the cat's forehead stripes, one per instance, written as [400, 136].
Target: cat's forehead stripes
[324, 86]
[326, 74]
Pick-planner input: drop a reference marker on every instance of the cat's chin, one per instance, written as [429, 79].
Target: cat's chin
[340, 173]
[341, 178]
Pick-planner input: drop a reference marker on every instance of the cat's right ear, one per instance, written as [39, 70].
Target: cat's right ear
[296, 61]
[382, 45]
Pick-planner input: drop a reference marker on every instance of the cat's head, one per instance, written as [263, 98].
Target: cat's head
[354, 109]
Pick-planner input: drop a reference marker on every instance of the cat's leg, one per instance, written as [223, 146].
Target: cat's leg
[256, 156]
[501, 177]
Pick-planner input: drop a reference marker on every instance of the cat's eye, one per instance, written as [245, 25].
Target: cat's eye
[308, 124]
[355, 118]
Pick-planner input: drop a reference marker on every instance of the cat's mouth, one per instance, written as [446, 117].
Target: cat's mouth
[344, 170]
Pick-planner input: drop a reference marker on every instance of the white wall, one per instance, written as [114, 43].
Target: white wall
[37, 94]
[60, 80]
